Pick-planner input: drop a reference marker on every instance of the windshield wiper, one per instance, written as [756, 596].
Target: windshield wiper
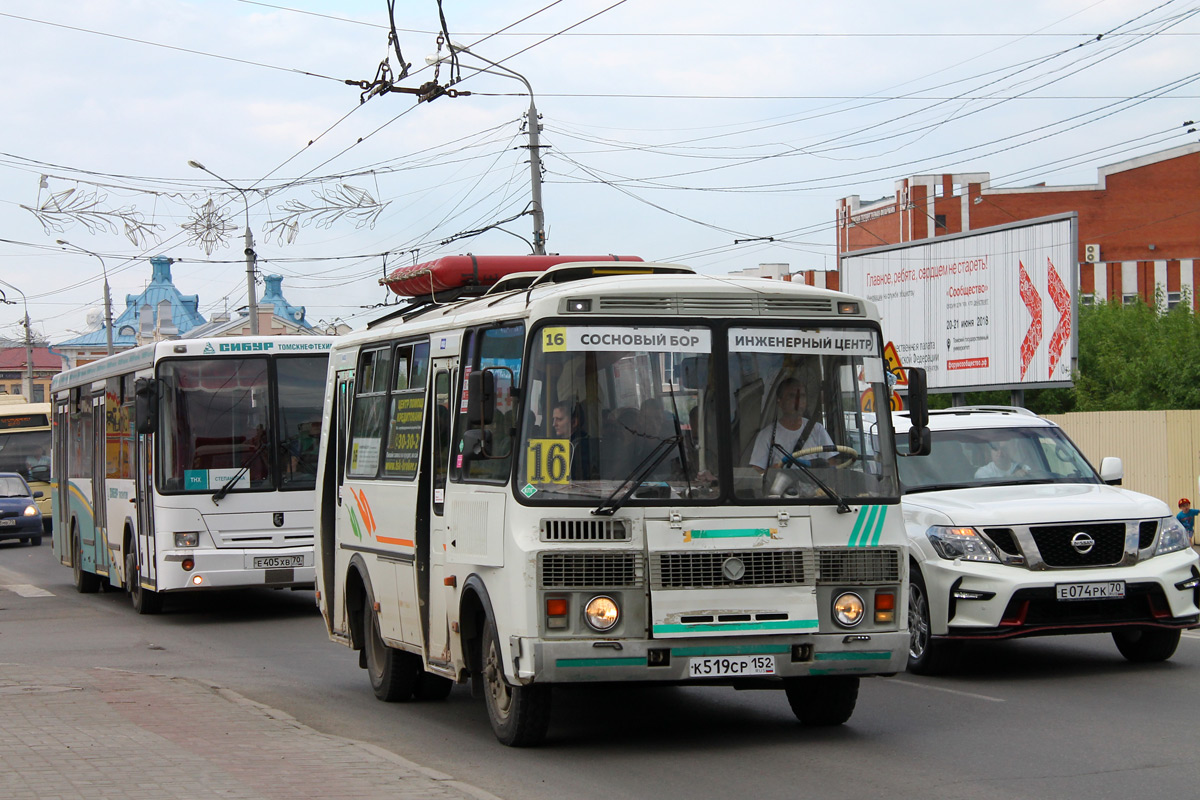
[788, 458]
[219, 495]
[637, 477]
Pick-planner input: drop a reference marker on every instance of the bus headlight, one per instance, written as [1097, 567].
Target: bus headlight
[601, 613]
[30, 511]
[187, 538]
[848, 609]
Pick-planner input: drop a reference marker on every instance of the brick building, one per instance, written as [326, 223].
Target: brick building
[1139, 224]
[14, 369]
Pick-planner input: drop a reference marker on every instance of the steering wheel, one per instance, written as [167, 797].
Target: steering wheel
[843, 457]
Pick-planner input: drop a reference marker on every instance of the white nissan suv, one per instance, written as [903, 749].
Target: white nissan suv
[1012, 533]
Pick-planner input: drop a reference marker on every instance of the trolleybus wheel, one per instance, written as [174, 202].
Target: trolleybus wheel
[823, 700]
[145, 601]
[85, 582]
[520, 715]
[394, 673]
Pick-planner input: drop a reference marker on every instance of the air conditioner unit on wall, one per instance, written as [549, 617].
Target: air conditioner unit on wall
[1091, 253]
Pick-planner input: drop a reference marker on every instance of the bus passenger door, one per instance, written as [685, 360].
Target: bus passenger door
[99, 489]
[431, 553]
[143, 542]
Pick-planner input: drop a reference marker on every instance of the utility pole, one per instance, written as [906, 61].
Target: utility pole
[107, 299]
[535, 145]
[252, 302]
[28, 390]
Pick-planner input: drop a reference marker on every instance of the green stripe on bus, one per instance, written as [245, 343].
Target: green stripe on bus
[883, 512]
[863, 655]
[862, 528]
[732, 650]
[836, 671]
[600, 662]
[773, 625]
[730, 533]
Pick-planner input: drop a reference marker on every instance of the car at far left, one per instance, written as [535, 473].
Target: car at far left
[19, 515]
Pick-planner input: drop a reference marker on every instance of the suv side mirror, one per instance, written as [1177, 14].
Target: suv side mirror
[1112, 471]
[919, 441]
[145, 405]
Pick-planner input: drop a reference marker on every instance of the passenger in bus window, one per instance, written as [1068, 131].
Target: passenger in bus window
[568, 421]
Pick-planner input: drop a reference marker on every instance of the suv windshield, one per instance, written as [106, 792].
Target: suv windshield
[996, 456]
[615, 410]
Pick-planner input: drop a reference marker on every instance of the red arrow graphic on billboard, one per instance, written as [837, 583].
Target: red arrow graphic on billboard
[1062, 301]
[1033, 336]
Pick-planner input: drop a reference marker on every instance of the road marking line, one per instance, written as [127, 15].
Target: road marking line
[947, 691]
[27, 590]
[1191, 635]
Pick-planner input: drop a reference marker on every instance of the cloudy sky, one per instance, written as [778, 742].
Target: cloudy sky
[715, 134]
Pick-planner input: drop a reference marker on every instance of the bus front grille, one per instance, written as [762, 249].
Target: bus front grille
[584, 530]
[741, 568]
[858, 565]
[590, 570]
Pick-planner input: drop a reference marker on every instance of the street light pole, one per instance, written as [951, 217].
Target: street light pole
[535, 146]
[252, 304]
[107, 298]
[28, 344]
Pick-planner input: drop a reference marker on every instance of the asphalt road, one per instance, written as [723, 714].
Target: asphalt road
[1062, 717]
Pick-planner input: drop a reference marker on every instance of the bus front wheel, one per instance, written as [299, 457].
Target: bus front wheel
[822, 700]
[85, 582]
[394, 673]
[145, 601]
[520, 715]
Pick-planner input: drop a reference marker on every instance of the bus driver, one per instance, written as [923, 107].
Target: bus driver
[790, 430]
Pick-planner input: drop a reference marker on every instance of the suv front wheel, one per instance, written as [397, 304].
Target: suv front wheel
[1146, 645]
[926, 655]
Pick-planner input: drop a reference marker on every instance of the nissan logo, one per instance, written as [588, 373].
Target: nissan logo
[733, 569]
[1082, 543]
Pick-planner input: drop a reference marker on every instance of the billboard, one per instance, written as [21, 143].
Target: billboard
[987, 309]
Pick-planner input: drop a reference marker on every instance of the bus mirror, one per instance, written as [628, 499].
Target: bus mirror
[477, 443]
[145, 406]
[481, 398]
[919, 441]
[694, 372]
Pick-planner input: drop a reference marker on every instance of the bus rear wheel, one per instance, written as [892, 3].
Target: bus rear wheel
[394, 674]
[145, 601]
[520, 715]
[85, 582]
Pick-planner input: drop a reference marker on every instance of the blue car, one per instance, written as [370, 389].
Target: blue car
[19, 515]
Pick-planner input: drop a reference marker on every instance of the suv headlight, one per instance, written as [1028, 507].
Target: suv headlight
[1172, 537]
[964, 543]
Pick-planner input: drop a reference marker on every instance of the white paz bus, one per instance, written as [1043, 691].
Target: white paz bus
[606, 472]
[189, 465]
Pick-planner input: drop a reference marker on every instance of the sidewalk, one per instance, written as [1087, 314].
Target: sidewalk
[100, 734]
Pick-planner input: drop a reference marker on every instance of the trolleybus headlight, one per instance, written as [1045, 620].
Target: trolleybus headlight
[30, 511]
[601, 613]
[188, 539]
[848, 609]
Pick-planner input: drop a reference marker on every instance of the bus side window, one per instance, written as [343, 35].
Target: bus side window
[499, 349]
[407, 412]
[367, 416]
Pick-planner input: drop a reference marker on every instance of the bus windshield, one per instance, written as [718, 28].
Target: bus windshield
[216, 424]
[644, 411]
[21, 451]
